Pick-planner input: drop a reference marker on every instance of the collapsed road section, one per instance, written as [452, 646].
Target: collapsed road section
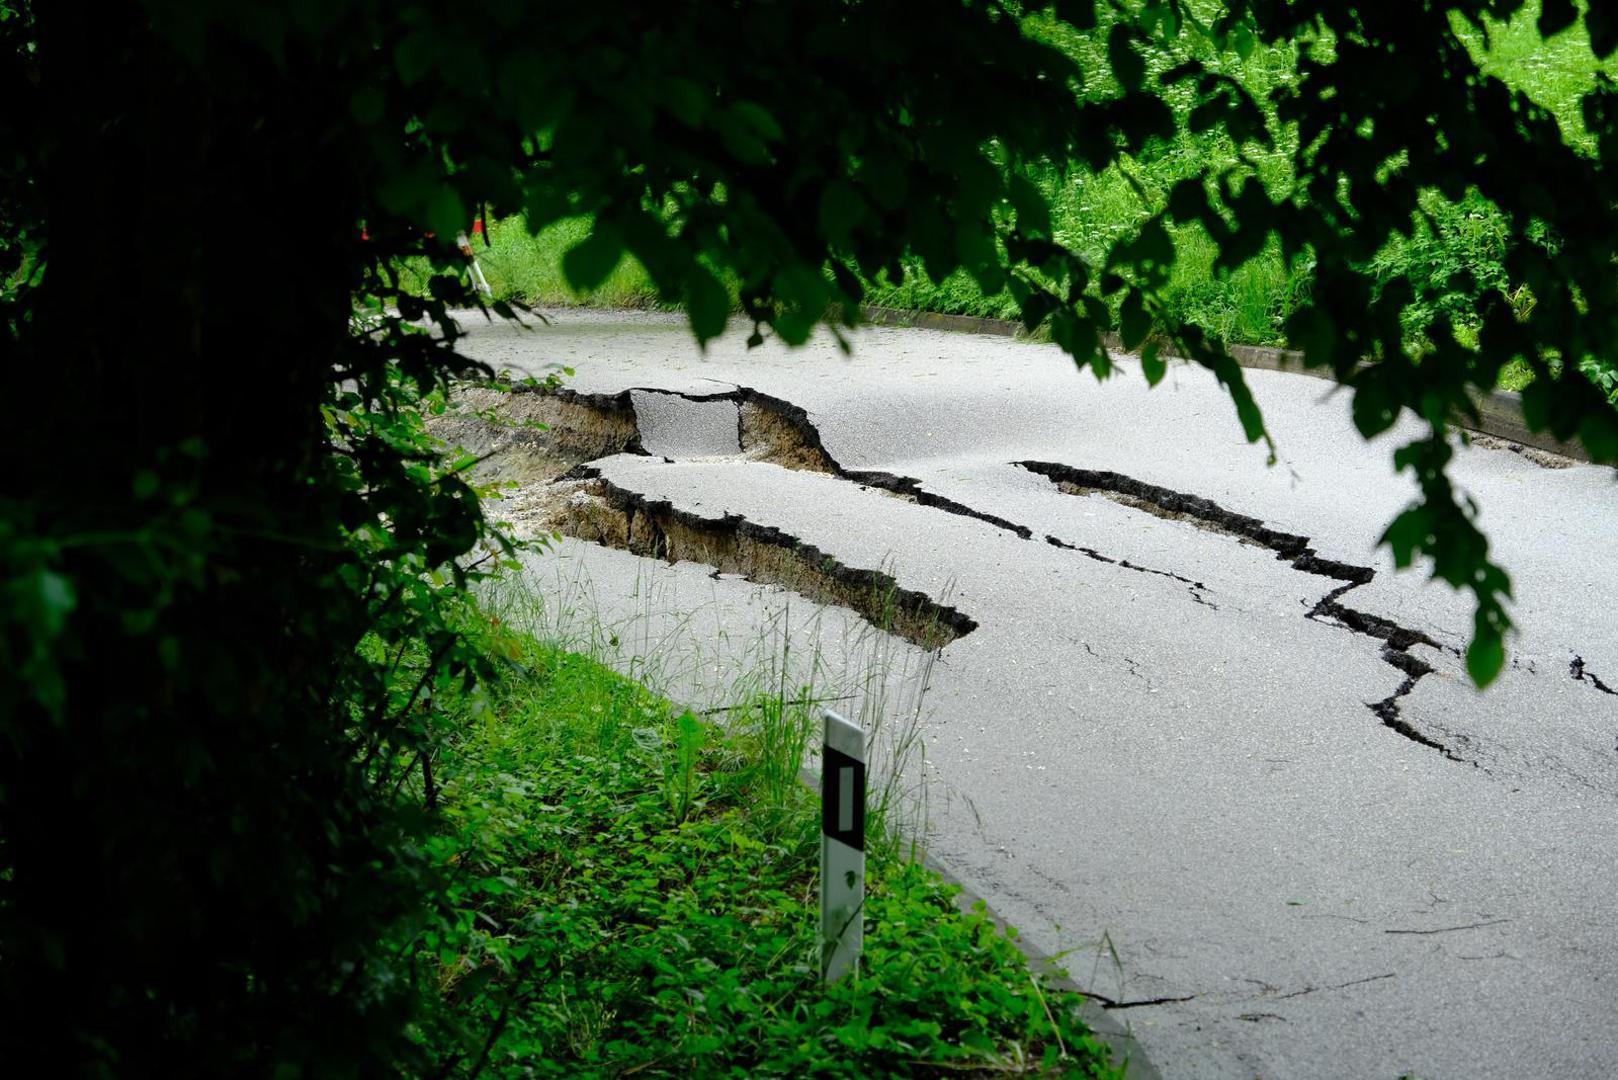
[548, 435]
[599, 511]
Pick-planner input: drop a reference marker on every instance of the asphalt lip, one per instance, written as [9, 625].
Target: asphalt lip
[1500, 414]
[1116, 1036]
[1106, 1028]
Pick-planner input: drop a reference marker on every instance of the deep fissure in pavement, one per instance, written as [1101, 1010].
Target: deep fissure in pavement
[585, 426]
[774, 429]
[528, 435]
[1583, 674]
[769, 429]
[561, 430]
[1397, 641]
[600, 511]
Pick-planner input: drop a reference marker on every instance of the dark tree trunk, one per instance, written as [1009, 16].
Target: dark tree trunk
[171, 867]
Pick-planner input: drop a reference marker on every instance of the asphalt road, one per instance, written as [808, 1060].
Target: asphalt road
[1258, 806]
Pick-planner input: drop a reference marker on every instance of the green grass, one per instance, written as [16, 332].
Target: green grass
[629, 889]
[1248, 305]
[527, 267]
[1555, 74]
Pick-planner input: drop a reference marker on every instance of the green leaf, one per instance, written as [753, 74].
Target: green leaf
[1152, 249]
[45, 599]
[1033, 215]
[1152, 364]
[758, 118]
[1079, 14]
[707, 303]
[1127, 65]
[1599, 434]
[447, 213]
[1409, 535]
[1133, 321]
[842, 208]
[415, 56]
[1374, 408]
[747, 128]
[1188, 200]
[974, 244]
[1242, 40]
[367, 105]
[802, 289]
[931, 234]
[1601, 20]
[1556, 16]
[794, 327]
[1229, 374]
[1486, 655]
[145, 484]
[684, 100]
[315, 17]
[592, 260]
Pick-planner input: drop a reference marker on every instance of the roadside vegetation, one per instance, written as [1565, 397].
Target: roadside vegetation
[628, 888]
[1455, 253]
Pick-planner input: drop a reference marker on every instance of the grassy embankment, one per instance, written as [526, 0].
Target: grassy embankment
[1247, 306]
[631, 890]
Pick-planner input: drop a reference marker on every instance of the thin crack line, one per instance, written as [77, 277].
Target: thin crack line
[1195, 588]
[1581, 673]
[1339, 986]
[1449, 929]
[1108, 1003]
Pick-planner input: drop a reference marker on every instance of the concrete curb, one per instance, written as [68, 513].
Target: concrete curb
[1500, 412]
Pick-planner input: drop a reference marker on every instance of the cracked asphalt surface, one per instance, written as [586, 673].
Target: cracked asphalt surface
[1200, 737]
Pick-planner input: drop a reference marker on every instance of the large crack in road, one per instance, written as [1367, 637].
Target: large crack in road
[1583, 674]
[605, 513]
[1397, 641]
[580, 427]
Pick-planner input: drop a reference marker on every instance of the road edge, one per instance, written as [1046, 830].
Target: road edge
[1116, 1036]
[1126, 1049]
[1500, 412]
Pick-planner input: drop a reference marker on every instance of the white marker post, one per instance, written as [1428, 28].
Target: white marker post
[478, 280]
[842, 847]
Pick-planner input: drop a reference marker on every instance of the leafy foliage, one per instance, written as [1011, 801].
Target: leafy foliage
[231, 592]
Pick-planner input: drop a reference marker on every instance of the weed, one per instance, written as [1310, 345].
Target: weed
[616, 902]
